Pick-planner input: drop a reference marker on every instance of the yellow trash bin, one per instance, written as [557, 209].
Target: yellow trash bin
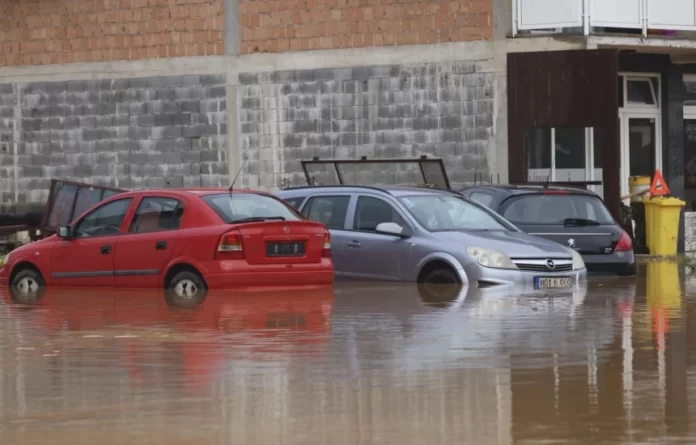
[663, 224]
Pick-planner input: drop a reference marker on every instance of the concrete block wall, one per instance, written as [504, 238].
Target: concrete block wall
[441, 109]
[167, 131]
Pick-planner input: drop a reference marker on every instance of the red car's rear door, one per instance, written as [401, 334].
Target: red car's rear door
[144, 251]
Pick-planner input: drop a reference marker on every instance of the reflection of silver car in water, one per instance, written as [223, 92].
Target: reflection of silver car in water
[431, 236]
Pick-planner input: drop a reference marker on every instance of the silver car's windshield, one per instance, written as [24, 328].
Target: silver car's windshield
[444, 212]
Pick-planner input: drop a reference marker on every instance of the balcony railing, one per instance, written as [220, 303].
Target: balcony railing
[636, 15]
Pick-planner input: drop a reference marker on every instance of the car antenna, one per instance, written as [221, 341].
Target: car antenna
[548, 179]
[236, 177]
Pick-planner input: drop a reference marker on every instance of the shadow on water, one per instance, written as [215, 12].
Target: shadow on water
[360, 363]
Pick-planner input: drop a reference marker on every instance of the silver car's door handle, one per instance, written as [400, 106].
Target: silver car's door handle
[353, 244]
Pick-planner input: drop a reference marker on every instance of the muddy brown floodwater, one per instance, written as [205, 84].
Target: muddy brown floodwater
[356, 365]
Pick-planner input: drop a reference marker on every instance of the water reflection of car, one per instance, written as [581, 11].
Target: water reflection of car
[572, 217]
[186, 241]
[423, 330]
[287, 319]
[431, 235]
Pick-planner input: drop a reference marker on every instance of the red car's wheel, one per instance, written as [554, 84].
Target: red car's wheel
[27, 286]
[186, 289]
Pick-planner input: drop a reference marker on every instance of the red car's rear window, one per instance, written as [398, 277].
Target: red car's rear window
[238, 206]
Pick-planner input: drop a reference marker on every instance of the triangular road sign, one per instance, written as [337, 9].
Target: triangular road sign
[659, 186]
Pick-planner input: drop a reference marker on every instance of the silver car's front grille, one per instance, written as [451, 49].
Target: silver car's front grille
[546, 266]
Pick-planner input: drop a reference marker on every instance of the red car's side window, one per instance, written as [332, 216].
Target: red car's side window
[155, 214]
[105, 220]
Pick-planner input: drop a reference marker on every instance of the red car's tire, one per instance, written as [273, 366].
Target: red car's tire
[186, 289]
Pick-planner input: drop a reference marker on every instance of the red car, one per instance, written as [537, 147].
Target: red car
[187, 241]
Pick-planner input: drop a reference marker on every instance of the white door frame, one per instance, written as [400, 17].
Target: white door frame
[625, 115]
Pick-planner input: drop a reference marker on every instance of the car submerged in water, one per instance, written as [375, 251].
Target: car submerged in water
[431, 235]
[573, 217]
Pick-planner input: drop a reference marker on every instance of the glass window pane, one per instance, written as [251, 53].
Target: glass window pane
[690, 162]
[570, 154]
[538, 154]
[329, 210]
[641, 139]
[639, 92]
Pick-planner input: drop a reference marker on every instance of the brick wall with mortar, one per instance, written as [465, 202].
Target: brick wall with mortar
[298, 25]
[445, 110]
[131, 133]
[41, 32]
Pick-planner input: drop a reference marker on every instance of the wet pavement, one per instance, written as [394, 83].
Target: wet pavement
[359, 364]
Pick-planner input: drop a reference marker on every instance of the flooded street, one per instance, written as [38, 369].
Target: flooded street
[377, 364]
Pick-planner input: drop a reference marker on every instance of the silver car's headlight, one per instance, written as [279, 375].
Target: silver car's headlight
[491, 258]
[578, 263]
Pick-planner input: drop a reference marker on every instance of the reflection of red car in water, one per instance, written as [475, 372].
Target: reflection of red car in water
[225, 326]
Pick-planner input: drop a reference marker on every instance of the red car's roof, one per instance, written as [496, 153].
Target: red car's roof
[197, 191]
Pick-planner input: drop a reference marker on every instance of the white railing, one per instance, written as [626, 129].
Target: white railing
[673, 15]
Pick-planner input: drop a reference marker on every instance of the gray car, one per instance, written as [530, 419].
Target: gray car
[431, 236]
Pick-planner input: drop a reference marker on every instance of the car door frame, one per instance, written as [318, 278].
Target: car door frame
[338, 236]
[159, 273]
[351, 232]
[65, 277]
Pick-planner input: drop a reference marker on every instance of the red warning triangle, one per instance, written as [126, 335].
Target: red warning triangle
[659, 186]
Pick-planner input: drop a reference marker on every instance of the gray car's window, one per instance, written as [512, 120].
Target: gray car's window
[330, 210]
[105, 220]
[444, 212]
[295, 202]
[482, 198]
[554, 209]
[370, 212]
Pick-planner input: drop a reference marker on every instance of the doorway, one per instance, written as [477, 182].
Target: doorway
[640, 126]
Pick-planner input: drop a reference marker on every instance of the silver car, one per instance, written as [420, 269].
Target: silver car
[432, 236]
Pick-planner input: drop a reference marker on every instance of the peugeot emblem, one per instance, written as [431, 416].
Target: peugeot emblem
[286, 229]
[550, 264]
[571, 242]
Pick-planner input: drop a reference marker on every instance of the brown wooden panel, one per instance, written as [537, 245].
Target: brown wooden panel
[576, 88]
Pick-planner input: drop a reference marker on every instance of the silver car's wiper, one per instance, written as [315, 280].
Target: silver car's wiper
[257, 219]
[580, 222]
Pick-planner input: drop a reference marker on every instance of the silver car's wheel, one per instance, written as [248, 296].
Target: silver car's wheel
[27, 286]
[439, 287]
[186, 289]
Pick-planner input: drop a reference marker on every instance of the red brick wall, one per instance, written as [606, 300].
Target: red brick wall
[39, 32]
[298, 25]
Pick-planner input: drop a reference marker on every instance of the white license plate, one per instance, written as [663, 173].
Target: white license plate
[553, 282]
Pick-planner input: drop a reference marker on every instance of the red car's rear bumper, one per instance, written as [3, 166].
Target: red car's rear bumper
[229, 274]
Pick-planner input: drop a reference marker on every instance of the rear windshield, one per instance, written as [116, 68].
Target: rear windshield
[554, 209]
[240, 206]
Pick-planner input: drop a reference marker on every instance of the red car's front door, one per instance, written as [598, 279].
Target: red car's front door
[144, 251]
[87, 259]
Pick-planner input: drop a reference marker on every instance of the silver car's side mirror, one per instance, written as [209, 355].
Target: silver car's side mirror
[64, 232]
[391, 228]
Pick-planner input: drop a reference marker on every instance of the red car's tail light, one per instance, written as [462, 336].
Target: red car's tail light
[230, 246]
[326, 253]
[625, 244]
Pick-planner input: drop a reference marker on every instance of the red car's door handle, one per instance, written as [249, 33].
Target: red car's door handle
[160, 245]
[105, 250]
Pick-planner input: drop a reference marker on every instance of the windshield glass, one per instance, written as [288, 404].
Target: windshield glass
[555, 209]
[242, 206]
[445, 212]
